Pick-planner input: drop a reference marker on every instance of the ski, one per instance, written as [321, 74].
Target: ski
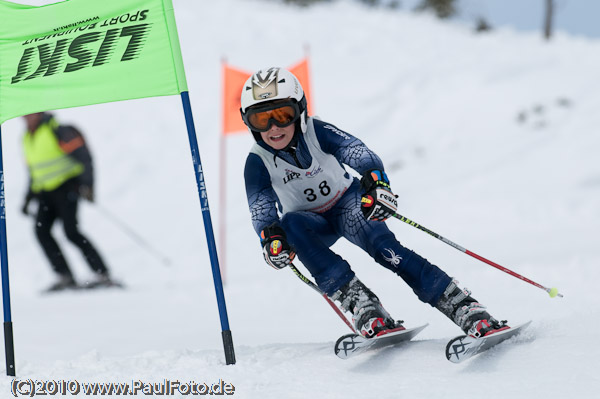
[464, 347]
[353, 344]
[92, 285]
[87, 285]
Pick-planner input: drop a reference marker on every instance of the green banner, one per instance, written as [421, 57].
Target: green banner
[82, 52]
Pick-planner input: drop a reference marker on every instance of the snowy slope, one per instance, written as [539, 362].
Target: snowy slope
[489, 140]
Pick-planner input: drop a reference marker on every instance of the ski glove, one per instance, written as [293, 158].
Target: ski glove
[378, 202]
[25, 208]
[276, 250]
[86, 192]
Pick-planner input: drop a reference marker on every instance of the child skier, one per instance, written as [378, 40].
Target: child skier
[295, 170]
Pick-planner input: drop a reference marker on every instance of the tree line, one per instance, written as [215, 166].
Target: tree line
[446, 9]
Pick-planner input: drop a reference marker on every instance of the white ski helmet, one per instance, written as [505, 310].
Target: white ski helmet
[266, 86]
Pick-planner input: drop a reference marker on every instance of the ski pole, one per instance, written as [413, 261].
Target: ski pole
[553, 292]
[133, 235]
[312, 285]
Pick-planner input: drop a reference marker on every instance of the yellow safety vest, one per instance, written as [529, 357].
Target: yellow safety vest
[49, 165]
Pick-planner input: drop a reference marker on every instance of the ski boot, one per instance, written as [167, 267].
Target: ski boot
[368, 316]
[467, 313]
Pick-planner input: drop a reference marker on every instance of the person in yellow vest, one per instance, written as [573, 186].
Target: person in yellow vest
[60, 171]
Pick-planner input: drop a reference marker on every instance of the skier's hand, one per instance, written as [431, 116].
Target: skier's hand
[379, 202]
[25, 207]
[276, 250]
[87, 192]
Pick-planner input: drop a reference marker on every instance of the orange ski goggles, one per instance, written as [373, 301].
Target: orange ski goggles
[262, 118]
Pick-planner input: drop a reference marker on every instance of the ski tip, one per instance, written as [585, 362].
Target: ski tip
[522, 325]
[526, 324]
[418, 329]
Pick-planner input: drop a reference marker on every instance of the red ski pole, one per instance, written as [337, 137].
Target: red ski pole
[553, 292]
[312, 285]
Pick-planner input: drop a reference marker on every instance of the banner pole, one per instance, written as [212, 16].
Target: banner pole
[222, 206]
[9, 346]
[210, 238]
[223, 186]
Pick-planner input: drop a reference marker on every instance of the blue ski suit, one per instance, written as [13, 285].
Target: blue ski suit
[312, 233]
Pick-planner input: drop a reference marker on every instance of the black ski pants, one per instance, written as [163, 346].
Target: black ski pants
[62, 204]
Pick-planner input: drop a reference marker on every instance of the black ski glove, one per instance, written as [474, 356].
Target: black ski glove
[276, 250]
[28, 197]
[86, 192]
[379, 202]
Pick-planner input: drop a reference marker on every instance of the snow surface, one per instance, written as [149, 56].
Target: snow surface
[490, 140]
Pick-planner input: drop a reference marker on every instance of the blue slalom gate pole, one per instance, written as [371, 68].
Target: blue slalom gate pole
[210, 238]
[9, 347]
